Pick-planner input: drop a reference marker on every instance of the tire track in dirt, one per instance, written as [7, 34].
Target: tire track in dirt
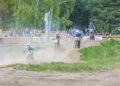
[13, 77]
[65, 53]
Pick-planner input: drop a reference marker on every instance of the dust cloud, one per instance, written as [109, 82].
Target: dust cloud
[64, 53]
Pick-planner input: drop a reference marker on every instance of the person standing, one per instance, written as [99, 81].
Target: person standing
[102, 32]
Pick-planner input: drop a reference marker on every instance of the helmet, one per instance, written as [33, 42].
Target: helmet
[28, 44]
[77, 31]
[91, 23]
[57, 33]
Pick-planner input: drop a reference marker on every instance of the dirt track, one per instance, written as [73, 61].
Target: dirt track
[12, 77]
[67, 53]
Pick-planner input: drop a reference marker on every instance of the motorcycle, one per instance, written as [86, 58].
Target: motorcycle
[92, 34]
[77, 42]
[56, 42]
[29, 56]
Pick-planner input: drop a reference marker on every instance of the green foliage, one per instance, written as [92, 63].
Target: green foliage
[80, 15]
[107, 49]
[63, 67]
[6, 13]
[94, 64]
[29, 13]
[105, 14]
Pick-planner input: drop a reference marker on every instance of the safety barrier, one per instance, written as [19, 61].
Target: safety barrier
[14, 40]
[103, 37]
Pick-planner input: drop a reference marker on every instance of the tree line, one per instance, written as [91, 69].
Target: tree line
[105, 14]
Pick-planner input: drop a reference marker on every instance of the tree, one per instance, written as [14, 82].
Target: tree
[105, 13]
[80, 15]
[6, 13]
[30, 13]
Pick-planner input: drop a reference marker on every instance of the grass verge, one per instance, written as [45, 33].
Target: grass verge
[105, 56]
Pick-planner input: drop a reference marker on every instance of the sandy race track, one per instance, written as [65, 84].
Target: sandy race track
[66, 53]
[12, 77]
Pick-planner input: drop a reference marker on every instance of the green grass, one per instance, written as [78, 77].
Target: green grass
[59, 66]
[107, 49]
[105, 56]
[39, 48]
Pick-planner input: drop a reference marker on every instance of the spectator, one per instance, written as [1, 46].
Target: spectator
[106, 33]
[97, 33]
[119, 30]
[102, 32]
[86, 30]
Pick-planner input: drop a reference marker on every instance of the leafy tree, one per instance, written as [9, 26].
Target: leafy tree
[105, 14]
[80, 15]
[30, 13]
[6, 13]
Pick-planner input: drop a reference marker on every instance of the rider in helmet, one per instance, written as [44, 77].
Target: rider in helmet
[58, 37]
[30, 52]
[91, 27]
[29, 48]
[78, 35]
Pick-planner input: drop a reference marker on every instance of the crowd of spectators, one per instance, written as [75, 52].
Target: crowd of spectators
[102, 32]
[38, 33]
[22, 33]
